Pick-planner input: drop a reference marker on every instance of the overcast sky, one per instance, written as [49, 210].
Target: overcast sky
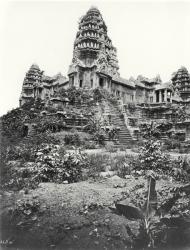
[151, 38]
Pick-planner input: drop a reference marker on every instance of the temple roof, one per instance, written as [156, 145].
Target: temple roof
[35, 66]
[123, 81]
[166, 85]
[57, 79]
[177, 98]
[139, 84]
[93, 8]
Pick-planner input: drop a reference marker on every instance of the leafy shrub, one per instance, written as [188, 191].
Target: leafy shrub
[25, 150]
[100, 137]
[51, 164]
[27, 207]
[19, 176]
[152, 158]
[25, 213]
[72, 139]
[181, 169]
[52, 124]
[100, 94]
[53, 168]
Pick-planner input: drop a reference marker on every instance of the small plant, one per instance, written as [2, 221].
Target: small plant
[25, 213]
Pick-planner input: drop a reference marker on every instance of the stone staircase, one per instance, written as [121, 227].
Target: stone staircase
[124, 136]
[164, 137]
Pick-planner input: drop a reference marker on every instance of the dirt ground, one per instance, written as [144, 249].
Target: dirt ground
[72, 216]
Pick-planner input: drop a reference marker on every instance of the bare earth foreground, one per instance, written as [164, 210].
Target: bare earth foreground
[73, 216]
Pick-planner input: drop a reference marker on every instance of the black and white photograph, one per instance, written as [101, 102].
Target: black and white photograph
[95, 125]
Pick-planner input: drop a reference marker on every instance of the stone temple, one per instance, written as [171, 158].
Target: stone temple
[95, 64]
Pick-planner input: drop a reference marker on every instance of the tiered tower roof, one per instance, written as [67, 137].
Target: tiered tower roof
[181, 81]
[93, 46]
[33, 76]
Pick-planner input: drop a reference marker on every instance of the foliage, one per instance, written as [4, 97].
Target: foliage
[111, 148]
[13, 121]
[181, 169]
[76, 95]
[94, 127]
[100, 94]
[150, 131]
[51, 167]
[154, 221]
[100, 137]
[25, 149]
[25, 213]
[152, 158]
[50, 163]
[52, 124]
[27, 207]
[89, 144]
[72, 139]
[121, 164]
[131, 107]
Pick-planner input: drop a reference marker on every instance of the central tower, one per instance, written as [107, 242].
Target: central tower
[94, 60]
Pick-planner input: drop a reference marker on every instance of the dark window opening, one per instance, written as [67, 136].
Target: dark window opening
[101, 82]
[162, 96]
[72, 81]
[80, 84]
[91, 83]
[157, 96]
[25, 131]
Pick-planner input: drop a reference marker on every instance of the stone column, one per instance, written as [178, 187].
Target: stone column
[165, 95]
[154, 96]
[160, 96]
[134, 96]
[170, 96]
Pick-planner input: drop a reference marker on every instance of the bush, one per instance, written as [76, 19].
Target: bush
[100, 137]
[152, 158]
[51, 164]
[54, 168]
[181, 169]
[72, 139]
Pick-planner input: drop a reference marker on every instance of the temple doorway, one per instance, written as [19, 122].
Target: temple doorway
[101, 82]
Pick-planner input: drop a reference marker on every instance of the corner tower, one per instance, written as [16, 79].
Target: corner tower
[181, 83]
[94, 60]
[31, 87]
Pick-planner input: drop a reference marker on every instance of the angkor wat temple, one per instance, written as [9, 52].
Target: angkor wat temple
[95, 65]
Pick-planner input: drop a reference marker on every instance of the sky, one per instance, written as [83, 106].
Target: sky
[151, 38]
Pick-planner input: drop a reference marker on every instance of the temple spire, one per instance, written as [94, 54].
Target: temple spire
[93, 46]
